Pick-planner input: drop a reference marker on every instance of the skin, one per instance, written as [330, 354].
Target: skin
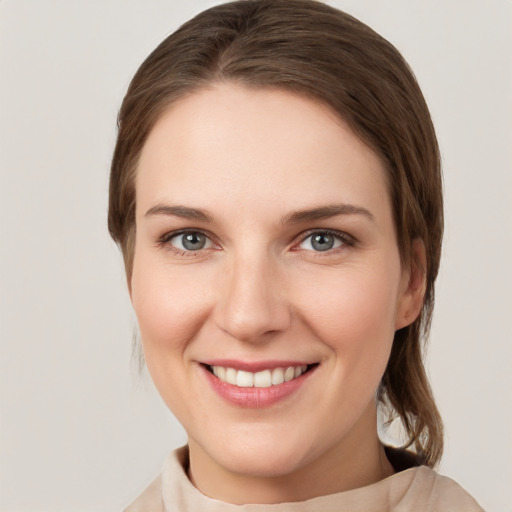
[259, 290]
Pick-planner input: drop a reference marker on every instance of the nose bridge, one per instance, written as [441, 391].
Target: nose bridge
[252, 303]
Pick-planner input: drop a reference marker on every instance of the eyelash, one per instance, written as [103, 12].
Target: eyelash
[165, 240]
[345, 239]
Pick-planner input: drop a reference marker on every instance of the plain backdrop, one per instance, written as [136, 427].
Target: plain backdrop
[79, 429]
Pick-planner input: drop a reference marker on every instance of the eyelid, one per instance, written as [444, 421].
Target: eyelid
[348, 240]
[165, 239]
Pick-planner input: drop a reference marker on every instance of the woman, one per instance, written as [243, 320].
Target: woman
[276, 193]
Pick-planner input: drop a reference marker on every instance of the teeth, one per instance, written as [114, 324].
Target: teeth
[289, 374]
[230, 376]
[277, 376]
[300, 370]
[263, 379]
[244, 379]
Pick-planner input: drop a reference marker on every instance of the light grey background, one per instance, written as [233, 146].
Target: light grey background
[79, 430]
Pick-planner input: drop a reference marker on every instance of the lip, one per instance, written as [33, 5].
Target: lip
[253, 397]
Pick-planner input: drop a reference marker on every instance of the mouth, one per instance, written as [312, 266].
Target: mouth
[265, 378]
[266, 385]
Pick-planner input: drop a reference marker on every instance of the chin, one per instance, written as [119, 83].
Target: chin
[262, 456]
[270, 463]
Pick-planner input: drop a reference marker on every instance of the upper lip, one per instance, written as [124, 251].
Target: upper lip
[256, 366]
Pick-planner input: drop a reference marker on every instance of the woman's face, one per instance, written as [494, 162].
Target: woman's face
[267, 279]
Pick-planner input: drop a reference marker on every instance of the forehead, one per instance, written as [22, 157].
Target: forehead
[242, 146]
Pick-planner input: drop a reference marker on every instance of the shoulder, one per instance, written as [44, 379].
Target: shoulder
[432, 492]
[150, 500]
[428, 490]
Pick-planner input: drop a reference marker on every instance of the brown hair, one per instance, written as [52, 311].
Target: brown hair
[315, 50]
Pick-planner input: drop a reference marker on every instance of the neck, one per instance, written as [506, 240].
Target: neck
[356, 461]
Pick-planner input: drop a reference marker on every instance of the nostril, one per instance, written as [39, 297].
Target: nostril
[250, 306]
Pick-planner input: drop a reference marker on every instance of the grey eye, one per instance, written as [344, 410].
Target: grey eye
[193, 241]
[321, 242]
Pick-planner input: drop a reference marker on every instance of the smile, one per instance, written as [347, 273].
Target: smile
[262, 379]
[256, 385]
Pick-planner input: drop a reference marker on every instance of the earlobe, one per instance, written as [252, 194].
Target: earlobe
[414, 286]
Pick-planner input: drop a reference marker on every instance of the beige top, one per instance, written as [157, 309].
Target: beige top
[418, 489]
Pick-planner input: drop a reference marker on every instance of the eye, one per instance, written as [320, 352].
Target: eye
[190, 241]
[320, 241]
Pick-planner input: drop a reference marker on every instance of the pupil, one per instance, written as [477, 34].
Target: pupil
[322, 242]
[193, 241]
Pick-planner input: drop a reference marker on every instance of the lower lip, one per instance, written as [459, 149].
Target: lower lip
[256, 397]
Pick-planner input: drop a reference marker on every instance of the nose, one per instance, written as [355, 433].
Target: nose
[253, 306]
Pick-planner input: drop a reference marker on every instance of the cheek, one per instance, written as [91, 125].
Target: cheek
[353, 312]
[170, 308]
[170, 311]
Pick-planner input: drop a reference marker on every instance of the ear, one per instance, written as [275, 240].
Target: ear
[413, 286]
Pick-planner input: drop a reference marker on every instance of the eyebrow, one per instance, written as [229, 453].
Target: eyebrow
[184, 212]
[325, 212]
[295, 217]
